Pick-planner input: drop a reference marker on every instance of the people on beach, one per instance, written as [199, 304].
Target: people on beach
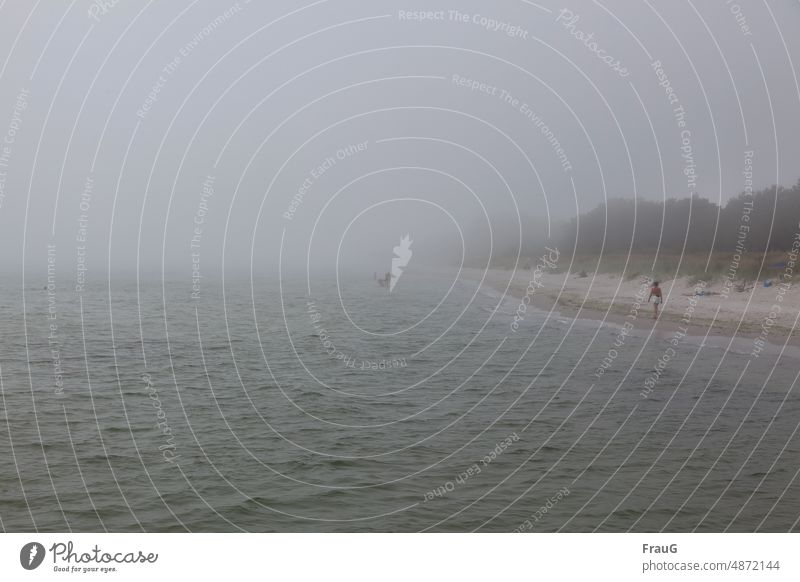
[388, 279]
[655, 295]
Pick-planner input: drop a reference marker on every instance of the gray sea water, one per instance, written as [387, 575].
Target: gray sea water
[141, 408]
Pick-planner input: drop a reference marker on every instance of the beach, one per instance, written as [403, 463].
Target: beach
[769, 313]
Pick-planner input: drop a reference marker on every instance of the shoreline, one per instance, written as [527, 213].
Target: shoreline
[605, 298]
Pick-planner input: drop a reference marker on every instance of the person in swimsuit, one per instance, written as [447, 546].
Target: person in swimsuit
[655, 294]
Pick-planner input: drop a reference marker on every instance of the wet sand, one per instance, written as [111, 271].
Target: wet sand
[770, 313]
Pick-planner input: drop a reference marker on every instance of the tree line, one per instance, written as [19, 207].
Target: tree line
[761, 221]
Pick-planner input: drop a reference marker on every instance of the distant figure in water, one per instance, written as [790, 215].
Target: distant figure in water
[655, 293]
[387, 279]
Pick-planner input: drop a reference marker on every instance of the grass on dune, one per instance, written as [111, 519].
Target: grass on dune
[695, 266]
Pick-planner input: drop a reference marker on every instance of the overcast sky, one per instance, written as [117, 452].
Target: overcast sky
[271, 132]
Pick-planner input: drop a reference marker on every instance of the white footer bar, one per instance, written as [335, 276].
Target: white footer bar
[406, 557]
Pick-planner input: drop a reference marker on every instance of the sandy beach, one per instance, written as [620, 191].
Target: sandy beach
[770, 313]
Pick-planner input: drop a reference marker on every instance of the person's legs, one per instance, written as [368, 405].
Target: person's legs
[655, 309]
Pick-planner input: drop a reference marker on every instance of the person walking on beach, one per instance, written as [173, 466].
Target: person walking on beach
[655, 294]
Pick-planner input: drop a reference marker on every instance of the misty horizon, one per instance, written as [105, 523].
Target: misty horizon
[120, 151]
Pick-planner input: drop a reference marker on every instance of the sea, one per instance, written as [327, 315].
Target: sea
[333, 404]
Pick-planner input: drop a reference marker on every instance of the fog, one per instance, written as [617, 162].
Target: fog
[175, 137]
